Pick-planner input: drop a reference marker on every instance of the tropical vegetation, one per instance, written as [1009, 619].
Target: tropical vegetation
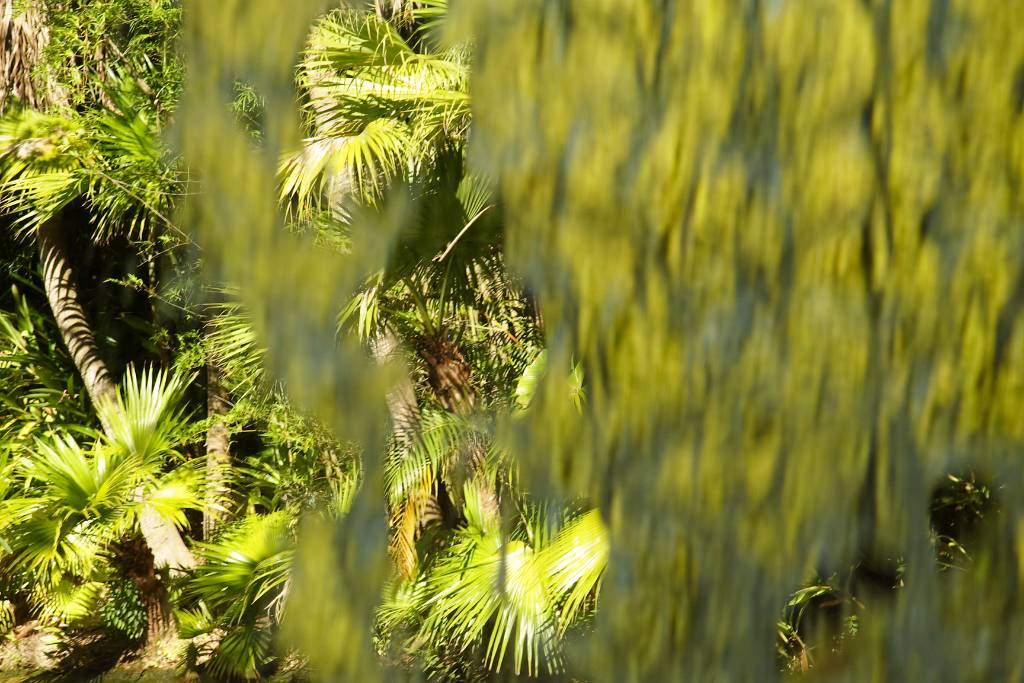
[161, 468]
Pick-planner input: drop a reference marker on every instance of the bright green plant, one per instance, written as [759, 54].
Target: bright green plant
[39, 389]
[111, 160]
[67, 503]
[237, 594]
[381, 107]
[507, 597]
[89, 41]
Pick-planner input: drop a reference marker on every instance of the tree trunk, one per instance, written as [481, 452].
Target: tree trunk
[218, 449]
[406, 521]
[22, 41]
[135, 560]
[401, 399]
[168, 548]
[62, 293]
[164, 541]
[449, 376]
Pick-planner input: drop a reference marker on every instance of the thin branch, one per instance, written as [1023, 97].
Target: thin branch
[139, 81]
[451, 245]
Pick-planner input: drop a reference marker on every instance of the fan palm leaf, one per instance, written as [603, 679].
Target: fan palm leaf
[71, 601]
[379, 109]
[514, 597]
[412, 474]
[146, 419]
[244, 570]
[70, 502]
[81, 502]
[239, 590]
[109, 160]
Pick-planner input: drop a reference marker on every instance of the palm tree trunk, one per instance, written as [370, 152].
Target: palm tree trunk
[135, 560]
[22, 40]
[405, 521]
[218, 448]
[62, 292]
[449, 376]
[401, 399]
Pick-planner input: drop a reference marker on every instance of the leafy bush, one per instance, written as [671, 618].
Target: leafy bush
[123, 609]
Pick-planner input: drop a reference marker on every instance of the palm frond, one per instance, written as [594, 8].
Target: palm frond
[378, 108]
[241, 651]
[40, 165]
[110, 160]
[245, 571]
[440, 438]
[364, 309]
[170, 494]
[46, 545]
[411, 477]
[87, 485]
[74, 501]
[488, 591]
[514, 597]
[79, 501]
[574, 564]
[70, 601]
[239, 591]
[232, 342]
[132, 181]
[147, 419]
[431, 15]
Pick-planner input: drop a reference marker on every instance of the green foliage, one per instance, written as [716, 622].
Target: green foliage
[237, 594]
[90, 42]
[507, 598]
[66, 505]
[773, 245]
[79, 504]
[110, 160]
[147, 419]
[7, 617]
[123, 610]
[959, 508]
[69, 601]
[301, 468]
[69, 501]
[497, 590]
[380, 107]
[232, 344]
[535, 372]
[39, 389]
[779, 239]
